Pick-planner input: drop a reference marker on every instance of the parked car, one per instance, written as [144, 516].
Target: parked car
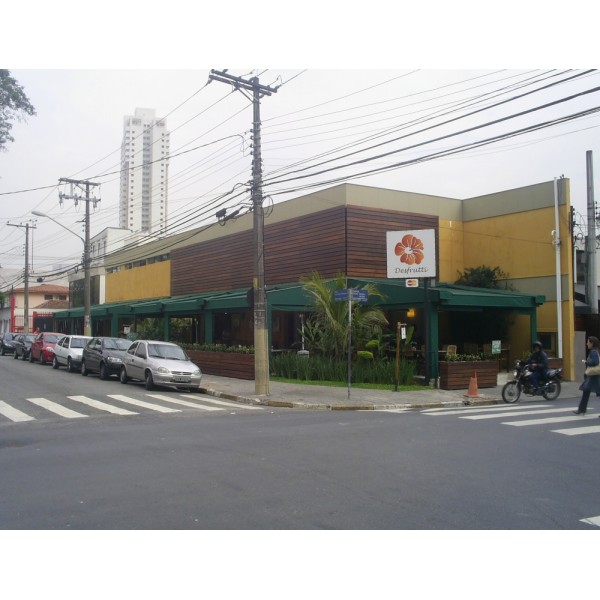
[160, 363]
[68, 350]
[42, 348]
[7, 343]
[104, 355]
[23, 345]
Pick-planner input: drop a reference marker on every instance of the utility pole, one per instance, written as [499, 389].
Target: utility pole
[591, 283]
[83, 185]
[27, 226]
[261, 333]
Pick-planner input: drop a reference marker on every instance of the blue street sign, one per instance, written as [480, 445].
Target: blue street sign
[360, 295]
[340, 295]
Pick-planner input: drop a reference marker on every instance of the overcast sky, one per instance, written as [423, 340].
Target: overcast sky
[318, 114]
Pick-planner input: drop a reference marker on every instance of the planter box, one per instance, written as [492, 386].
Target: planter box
[224, 364]
[456, 375]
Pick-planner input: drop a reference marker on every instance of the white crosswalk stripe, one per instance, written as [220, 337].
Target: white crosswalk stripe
[231, 404]
[14, 414]
[502, 415]
[547, 415]
[57, 409]
[578, 430]
[9, 411]
[142, 404]
[183, 402]
[116, 410]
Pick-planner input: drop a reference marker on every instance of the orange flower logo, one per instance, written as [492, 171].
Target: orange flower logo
[410, 250]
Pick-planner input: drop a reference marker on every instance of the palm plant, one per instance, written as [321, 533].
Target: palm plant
[328, 325]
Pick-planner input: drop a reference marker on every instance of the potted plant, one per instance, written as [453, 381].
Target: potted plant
[457, 369]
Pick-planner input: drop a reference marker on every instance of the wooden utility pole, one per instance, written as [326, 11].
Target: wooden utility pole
[261, 332]
[27, 227]
[84, 185]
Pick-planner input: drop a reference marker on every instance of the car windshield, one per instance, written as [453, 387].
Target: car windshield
[165, 351]
[51, 339]
[79, 342]
[117, 344]
[30, 337]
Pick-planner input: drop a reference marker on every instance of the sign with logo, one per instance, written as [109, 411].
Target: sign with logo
[412, 283]
[411, 254]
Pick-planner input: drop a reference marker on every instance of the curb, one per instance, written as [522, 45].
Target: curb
[345, 407]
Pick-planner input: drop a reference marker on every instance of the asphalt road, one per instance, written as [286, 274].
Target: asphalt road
[285, 469]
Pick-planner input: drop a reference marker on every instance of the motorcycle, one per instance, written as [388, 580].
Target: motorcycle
[521, 383]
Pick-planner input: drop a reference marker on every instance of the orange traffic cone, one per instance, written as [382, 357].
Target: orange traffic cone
[473, 392]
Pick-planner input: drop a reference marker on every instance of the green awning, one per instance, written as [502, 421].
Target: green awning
[294, 298]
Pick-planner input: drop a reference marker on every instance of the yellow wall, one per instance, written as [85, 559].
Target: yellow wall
[521, 245]
[149, 281]
[451, 240]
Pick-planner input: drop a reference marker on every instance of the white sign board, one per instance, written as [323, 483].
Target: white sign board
[411, 254]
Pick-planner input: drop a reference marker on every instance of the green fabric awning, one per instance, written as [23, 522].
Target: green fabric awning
[293, 298]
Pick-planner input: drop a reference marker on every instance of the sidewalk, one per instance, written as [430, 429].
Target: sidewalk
[317, 397]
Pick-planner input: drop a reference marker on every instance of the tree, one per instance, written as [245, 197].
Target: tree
[483, 277]
[14, 104]
[327, 328]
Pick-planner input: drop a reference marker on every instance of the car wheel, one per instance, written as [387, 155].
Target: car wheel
[123, 375]
[3, 352]
[84, 370]
[149, 381]
[55, 364]
[70, 367]
[103, 372]
[15, 355]
[30, 357]
[42, 359]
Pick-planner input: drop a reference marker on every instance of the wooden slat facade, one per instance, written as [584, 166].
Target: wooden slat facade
[366, 237]
[343, 239]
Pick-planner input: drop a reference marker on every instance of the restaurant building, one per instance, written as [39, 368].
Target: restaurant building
[202, 278]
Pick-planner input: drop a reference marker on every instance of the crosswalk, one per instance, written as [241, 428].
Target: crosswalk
[81, 407]
[548, 415]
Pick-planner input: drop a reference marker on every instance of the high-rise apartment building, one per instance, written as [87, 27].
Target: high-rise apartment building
[144, 173]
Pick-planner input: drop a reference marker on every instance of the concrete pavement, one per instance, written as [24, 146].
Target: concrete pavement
[317, 397]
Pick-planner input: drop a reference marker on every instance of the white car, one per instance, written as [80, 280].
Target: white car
[160, 363]
[68, 350]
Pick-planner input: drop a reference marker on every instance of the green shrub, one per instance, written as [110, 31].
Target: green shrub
[219, 348]
[292, 366]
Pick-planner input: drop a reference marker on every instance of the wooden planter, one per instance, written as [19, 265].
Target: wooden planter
[224, 364]
[456, 375]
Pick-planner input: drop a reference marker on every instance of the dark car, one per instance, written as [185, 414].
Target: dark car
[23, 345]
[42, 348]
[104, 355]
[7, 343]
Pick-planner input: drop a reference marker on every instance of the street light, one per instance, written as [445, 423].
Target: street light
[87, 321]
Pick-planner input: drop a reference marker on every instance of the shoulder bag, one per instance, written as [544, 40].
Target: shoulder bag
[591, 371]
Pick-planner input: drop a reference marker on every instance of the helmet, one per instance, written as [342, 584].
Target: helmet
[536, 344]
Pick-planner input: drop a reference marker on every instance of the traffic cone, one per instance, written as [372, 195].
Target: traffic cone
[473, 392]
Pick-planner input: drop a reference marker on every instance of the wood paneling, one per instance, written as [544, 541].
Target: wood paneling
[293, 248]
[366, 237]
[331, 241]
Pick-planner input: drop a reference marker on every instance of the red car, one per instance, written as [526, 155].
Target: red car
[42, 348]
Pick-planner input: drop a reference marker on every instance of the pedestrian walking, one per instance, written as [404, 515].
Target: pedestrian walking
[591, 381]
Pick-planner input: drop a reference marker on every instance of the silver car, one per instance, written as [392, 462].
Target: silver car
[160, 363]
[68, 350]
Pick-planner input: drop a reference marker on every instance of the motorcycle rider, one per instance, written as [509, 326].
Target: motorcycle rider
[538, 362]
